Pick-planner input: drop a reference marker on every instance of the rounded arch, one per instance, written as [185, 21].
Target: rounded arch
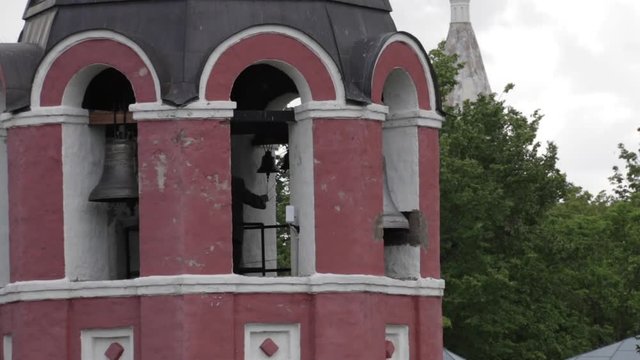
[67, 69]
[401, 51]
[399, 92]
[313, 71]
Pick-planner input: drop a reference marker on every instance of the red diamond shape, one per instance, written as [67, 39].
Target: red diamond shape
[389, 349]
[114, 352]
[269, 347]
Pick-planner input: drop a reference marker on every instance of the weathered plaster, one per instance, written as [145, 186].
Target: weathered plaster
[402, 261]
[460, 11]
[185, 197]
[217, 284]
[348, 182]
[36, 202]
[472, 79]
[91, 246]
[5, 267]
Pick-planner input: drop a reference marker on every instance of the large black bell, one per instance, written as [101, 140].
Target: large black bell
[119, 180]
[268, 164]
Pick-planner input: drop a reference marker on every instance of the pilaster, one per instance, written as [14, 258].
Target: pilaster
[185, 188]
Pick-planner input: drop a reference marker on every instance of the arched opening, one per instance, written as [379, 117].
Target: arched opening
[402, 220]
[101, 183]
[261, 188]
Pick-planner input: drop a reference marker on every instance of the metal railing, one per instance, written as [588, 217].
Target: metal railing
[262, 269]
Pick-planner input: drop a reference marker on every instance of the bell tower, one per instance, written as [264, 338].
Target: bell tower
[218, 179]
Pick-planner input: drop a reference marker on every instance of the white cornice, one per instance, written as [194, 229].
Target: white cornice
[336, 110]
[420, 118]
[215, 110]
[45, 116]
[216, 284]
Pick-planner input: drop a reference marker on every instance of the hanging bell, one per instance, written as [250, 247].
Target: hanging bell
[119, 180]
[268, 164]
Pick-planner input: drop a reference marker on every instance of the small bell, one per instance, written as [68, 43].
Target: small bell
[119, 180]
[268, 164]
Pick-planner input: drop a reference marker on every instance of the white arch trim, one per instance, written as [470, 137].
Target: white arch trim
[403, 38]
[75, 39]
[295, 75]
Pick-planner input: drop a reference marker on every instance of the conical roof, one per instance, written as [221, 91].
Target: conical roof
[461, 40]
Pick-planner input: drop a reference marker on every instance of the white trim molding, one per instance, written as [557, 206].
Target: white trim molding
[285, 339]
[215, 110]
[95, 342]
[398, 335]
[71, 41]
[216, 284]
[46, 116]
[419, 118]
[7, 347]
[301, 83]
[337, 110]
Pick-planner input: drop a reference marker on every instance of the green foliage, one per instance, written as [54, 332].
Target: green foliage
[536, 268]
[446, 67]
[628, 183]
[496, 186]
[283, 193]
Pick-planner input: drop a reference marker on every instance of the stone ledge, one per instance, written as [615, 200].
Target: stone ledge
[214, 284]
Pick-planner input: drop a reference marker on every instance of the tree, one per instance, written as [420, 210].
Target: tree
[496, 186]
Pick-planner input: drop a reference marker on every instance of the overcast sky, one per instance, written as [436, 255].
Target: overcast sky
[576, 60]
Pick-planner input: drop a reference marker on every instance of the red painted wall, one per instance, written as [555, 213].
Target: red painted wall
[429, 148]
[430, 343]
[35, 203]
[348, 196]
[278, 47]
[185, 197]
[202, 326]
[97, 51]
[400, 55]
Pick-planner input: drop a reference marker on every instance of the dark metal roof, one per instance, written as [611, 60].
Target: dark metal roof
[18, 63]
[179, 35]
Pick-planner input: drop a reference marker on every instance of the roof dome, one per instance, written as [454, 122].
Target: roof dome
[179, 35]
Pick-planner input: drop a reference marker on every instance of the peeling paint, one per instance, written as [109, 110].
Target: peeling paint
[161, 170]
[183, 140]
[143, 72]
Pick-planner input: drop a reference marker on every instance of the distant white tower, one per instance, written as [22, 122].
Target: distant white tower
[472, 79]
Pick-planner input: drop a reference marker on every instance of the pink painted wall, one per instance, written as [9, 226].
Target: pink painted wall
[400, 55]
[185, 197]
[35, 203]
[348, 196]
[97, 51]
[273, 47]
[201, 326]
[429, 148]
